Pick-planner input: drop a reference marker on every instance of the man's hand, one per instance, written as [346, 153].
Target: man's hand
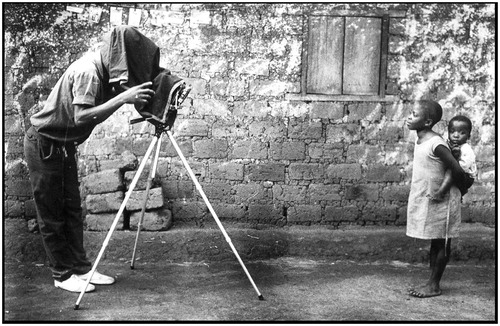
[138, 95]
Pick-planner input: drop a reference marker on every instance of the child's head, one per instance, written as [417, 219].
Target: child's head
[425, 114]
[459, 129]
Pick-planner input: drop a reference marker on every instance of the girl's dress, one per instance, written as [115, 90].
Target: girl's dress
[428, 219]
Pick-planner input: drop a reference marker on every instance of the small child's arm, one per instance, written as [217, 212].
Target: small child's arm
[454, 173]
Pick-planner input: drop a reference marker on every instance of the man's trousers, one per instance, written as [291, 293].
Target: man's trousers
[54, 180]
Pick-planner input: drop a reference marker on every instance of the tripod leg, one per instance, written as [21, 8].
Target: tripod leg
[117, 218]
[210, 208]
[146, 195]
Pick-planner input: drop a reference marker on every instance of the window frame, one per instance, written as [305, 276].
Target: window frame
[385, 15]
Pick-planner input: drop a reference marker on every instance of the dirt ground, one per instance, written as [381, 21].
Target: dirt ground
[294, 289]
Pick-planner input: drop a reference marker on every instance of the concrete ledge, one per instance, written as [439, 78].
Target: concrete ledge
[476, 243]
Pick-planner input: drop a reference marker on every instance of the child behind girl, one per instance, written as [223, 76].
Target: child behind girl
[428, 219]
[459, 130]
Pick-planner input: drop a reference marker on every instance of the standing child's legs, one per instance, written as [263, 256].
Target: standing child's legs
[439, 257]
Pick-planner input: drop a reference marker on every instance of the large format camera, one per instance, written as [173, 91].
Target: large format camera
[170, 93]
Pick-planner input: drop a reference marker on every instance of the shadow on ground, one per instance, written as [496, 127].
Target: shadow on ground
[295, 289]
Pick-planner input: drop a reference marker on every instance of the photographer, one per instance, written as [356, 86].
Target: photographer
[89, 92]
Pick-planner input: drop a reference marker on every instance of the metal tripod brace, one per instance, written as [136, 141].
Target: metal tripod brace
[160, 128]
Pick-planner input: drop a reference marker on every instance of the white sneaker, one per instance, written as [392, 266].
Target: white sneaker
[97, 278]
[74, 284]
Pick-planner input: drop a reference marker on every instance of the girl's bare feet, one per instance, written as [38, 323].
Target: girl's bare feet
[425, 291]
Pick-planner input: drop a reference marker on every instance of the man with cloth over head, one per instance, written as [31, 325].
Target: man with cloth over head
[90, 91]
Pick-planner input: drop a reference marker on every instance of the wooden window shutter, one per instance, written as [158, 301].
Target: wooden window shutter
[325, 55]
[363, 39]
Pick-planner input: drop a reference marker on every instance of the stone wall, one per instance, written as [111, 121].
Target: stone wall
[261, 154]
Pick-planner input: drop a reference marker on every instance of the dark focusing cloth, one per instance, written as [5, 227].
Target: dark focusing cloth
[130, 57]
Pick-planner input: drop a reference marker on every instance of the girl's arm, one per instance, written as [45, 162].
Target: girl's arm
[451, 163]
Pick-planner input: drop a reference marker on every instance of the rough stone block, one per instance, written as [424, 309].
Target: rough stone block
[139, 146]
[396, 193]
[12, 125]
[229, 129]
[383, 173]
[246, 193]
[186, 147]
[486, 174]
[321, 192]
[16, 168]
[396, 111]
[136, 200]
[295, 150]
[227, 171]
[142, 182]
[387, 132]
[217, 190]
[271, 88]
[178, 189]
[13, 208]
[249, 149]
[126, 162]
[191, 127]
[479, 193]
[104, 203]
[187, 212]
[225, 87]
[397, 154]
[327, 110]
[103, 182]
[327, 151]
[230, 212]
[480, 214]
[272, 129]
[266, 172]
[304, 214]
[287, 109]
[306, 171]
[14, 145]
[344, 171]
[289, 193]
[255, 66]
[305, 130]
[102, 222]
[211, 107]
[402, 214]
[266, 214]
[341, 214]
[17, 187]
[210, 148]
[347, 133]
[99, 146]
[251, 109]
[485, 153]
[387, 213]
[365, 192]
[364, 111]
[364, 154]
[158, 220]
[178, 170]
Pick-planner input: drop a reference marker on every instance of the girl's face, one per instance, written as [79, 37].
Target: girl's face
[458, 132]
[417, 120]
